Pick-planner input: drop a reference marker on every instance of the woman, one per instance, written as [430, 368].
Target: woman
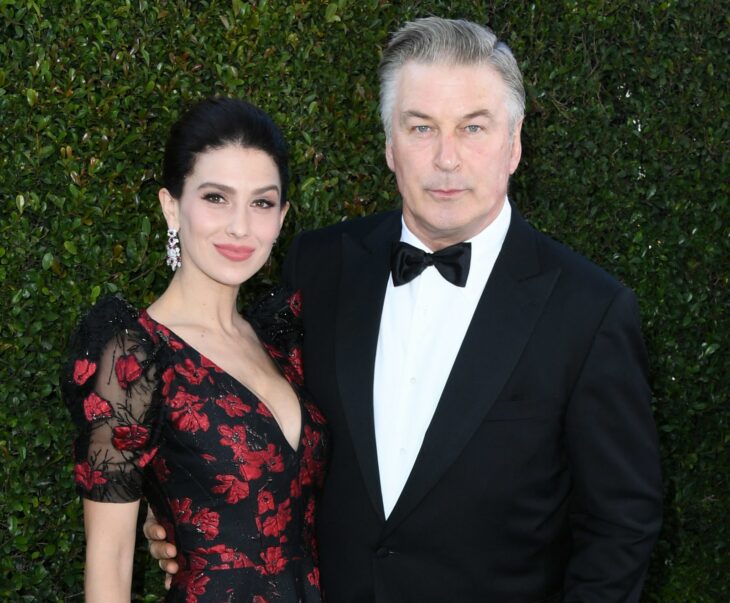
[190, 404]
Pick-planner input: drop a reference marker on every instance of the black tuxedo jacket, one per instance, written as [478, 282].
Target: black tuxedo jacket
[538, 478]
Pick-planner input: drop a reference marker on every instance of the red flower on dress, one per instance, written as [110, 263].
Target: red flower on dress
[313, 577]
[250, 465]
[295, 489]
[167, 378]
[295, 373]
[87, 477]
[148, 456]
[174, 343]
[266, 501]
[129, 437]
[309, 513]
[273, 461]
[197, 561]
[236, 489]
[273, 351]
[233, 405]
[195, 585]
[181, 509]
[262, 409]
[274, 561]
[127, 369]
[206, 522]
[234, 438]
[230, 557]
[166, 334]
[310, 439]
[193, 374]
[95, 407]
[315, 413]
[257, 458]
[186, 415]
[258, 599]
[209, 364]
[295, 303]
[148, 326]
[274, 525]
[83, 369]
[162, 471]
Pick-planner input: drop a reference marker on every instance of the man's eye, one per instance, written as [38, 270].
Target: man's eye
[213, 198]
[422, 129]
[473, 129]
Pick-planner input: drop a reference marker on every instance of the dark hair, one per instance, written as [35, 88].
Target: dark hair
[215, 123]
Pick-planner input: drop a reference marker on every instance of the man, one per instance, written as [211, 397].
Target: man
[492, 438]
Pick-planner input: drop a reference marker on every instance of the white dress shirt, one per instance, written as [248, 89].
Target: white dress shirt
[421, 329]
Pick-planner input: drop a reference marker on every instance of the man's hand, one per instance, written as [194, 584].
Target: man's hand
[163, 551]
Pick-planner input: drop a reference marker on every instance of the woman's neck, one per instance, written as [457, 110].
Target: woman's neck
[208, 305]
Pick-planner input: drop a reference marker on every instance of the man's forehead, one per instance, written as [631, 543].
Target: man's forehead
[471, 90]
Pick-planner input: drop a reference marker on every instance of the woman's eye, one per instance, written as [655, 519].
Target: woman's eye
[213, 198]
[264, 203]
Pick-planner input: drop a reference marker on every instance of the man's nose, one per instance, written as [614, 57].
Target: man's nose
[447, 153]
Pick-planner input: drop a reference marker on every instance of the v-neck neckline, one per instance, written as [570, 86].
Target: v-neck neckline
[144, 313]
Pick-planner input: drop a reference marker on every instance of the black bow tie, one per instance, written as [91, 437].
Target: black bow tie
[407, 262]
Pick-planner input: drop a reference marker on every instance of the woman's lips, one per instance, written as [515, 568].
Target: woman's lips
[235, 253]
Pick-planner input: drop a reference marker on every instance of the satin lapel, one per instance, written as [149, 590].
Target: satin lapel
[506, 314]
[365, 272]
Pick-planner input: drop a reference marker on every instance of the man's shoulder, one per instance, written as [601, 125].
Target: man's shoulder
[575, 268]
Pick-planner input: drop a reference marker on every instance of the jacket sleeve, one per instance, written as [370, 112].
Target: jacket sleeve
[614, 462]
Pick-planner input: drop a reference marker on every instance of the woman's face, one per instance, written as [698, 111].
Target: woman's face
[229, 214]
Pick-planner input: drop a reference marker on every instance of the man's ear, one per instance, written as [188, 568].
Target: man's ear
[389, 156]
[170, 208]
[516, 153]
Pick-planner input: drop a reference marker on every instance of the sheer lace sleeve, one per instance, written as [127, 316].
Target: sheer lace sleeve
[276, 318]
[110, 385]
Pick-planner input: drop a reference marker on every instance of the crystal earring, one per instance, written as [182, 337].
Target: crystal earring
[173, 249]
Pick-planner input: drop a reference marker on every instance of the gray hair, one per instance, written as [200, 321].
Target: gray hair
[450, 41]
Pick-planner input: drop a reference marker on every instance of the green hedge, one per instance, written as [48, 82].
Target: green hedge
[625, 159]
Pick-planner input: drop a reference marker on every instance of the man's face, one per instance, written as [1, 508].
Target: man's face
[451, 150]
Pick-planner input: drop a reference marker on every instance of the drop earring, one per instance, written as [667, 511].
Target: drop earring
[173, 249]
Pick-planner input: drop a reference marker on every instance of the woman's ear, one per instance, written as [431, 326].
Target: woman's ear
[282, 214]
[170, 208]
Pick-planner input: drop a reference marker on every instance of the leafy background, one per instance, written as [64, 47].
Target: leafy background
[625, 159]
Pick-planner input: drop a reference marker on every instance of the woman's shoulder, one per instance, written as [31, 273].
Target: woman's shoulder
[278, 311]
[112, 318]
[277, 319]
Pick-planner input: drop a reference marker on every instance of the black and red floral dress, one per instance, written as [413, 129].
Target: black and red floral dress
[157, 419]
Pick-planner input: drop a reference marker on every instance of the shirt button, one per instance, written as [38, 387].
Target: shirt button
[383, 552]
[402, 451]
[412, 380]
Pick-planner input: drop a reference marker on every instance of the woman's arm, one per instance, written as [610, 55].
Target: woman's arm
[110, 534]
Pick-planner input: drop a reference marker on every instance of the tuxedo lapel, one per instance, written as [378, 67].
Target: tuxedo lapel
[365, 272]
[504, 318]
